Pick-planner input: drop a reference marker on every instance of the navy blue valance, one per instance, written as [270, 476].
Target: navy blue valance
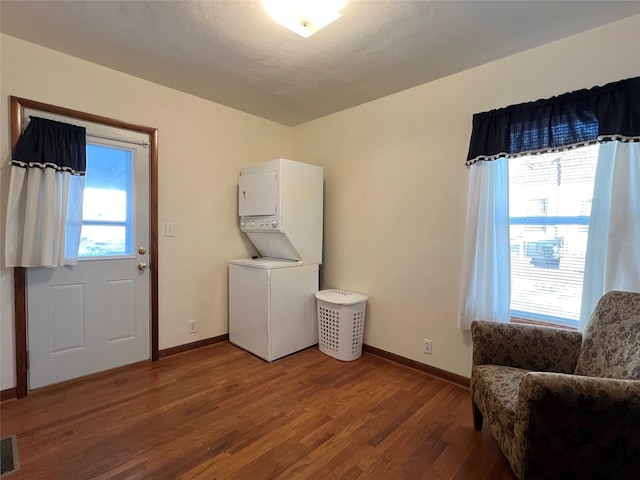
[583, 117]
[49, 144]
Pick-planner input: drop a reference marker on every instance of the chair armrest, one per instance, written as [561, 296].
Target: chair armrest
[569, 426]
[525, 346]
[592, 394]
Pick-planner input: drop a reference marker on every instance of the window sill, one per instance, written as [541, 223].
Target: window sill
[524, 321]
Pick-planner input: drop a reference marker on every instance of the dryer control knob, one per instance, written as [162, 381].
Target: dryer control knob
[274, 224]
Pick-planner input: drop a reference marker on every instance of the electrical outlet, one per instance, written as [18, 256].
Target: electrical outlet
[427, 346]
[193, 326]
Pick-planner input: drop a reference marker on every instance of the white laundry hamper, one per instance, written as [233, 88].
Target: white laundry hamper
[341, 323]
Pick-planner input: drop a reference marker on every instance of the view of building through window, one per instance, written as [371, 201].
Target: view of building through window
[549, 208]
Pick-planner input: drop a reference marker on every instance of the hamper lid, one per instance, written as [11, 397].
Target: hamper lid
[341, 297]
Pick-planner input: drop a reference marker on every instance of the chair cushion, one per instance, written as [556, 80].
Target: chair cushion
[501, 385]
[611, 341]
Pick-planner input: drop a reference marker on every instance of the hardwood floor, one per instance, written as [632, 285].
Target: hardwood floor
[218, 412]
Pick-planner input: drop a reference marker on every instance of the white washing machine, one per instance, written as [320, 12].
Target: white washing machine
[272, 306]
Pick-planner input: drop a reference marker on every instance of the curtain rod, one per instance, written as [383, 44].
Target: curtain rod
[123, 140]
[26, 119]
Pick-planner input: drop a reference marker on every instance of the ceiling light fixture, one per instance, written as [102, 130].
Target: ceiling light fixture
[304, 17]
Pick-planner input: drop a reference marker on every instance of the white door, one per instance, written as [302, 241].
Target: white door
[257, 194]
[95, 315]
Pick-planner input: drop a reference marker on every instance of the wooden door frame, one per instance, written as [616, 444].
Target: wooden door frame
[19, 273]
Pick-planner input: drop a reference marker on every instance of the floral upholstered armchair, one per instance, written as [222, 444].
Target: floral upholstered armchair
[561, 404]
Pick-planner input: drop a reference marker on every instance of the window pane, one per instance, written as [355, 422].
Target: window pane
[549, 205]
[104, 205]
[102, 240]
[547, 266]
[107, 184]
[107, 203]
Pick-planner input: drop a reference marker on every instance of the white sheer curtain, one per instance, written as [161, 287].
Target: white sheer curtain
[613, 248]
[486, 263]
[44, 209]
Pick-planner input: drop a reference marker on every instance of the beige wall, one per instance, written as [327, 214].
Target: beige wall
[202, 146]
[396, 185]
[395, 182]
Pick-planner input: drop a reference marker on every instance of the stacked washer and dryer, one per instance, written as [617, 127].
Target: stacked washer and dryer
[272, 309]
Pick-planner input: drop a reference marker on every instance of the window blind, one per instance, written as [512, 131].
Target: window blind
[549, 207]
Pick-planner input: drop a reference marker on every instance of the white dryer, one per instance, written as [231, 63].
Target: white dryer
[280, 208]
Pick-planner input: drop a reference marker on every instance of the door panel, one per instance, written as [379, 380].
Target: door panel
[257, 194]
[66, 318]
[120, 310]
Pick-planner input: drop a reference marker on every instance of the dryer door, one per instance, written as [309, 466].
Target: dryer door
[258, 194]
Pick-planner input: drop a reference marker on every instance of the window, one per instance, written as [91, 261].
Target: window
[107, 203]
[549, 207]
[528, 217]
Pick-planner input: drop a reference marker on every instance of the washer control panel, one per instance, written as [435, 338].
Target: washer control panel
[261, 224]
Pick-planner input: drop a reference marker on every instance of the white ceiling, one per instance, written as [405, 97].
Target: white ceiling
[230, 52]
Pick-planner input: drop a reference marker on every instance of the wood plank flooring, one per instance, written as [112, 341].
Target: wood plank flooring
[220, 413]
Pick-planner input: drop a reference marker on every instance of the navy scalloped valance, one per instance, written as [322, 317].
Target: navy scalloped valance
[583, 117]
[49, 144]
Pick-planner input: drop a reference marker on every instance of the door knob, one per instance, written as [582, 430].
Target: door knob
[142, 250]
[142, 266]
